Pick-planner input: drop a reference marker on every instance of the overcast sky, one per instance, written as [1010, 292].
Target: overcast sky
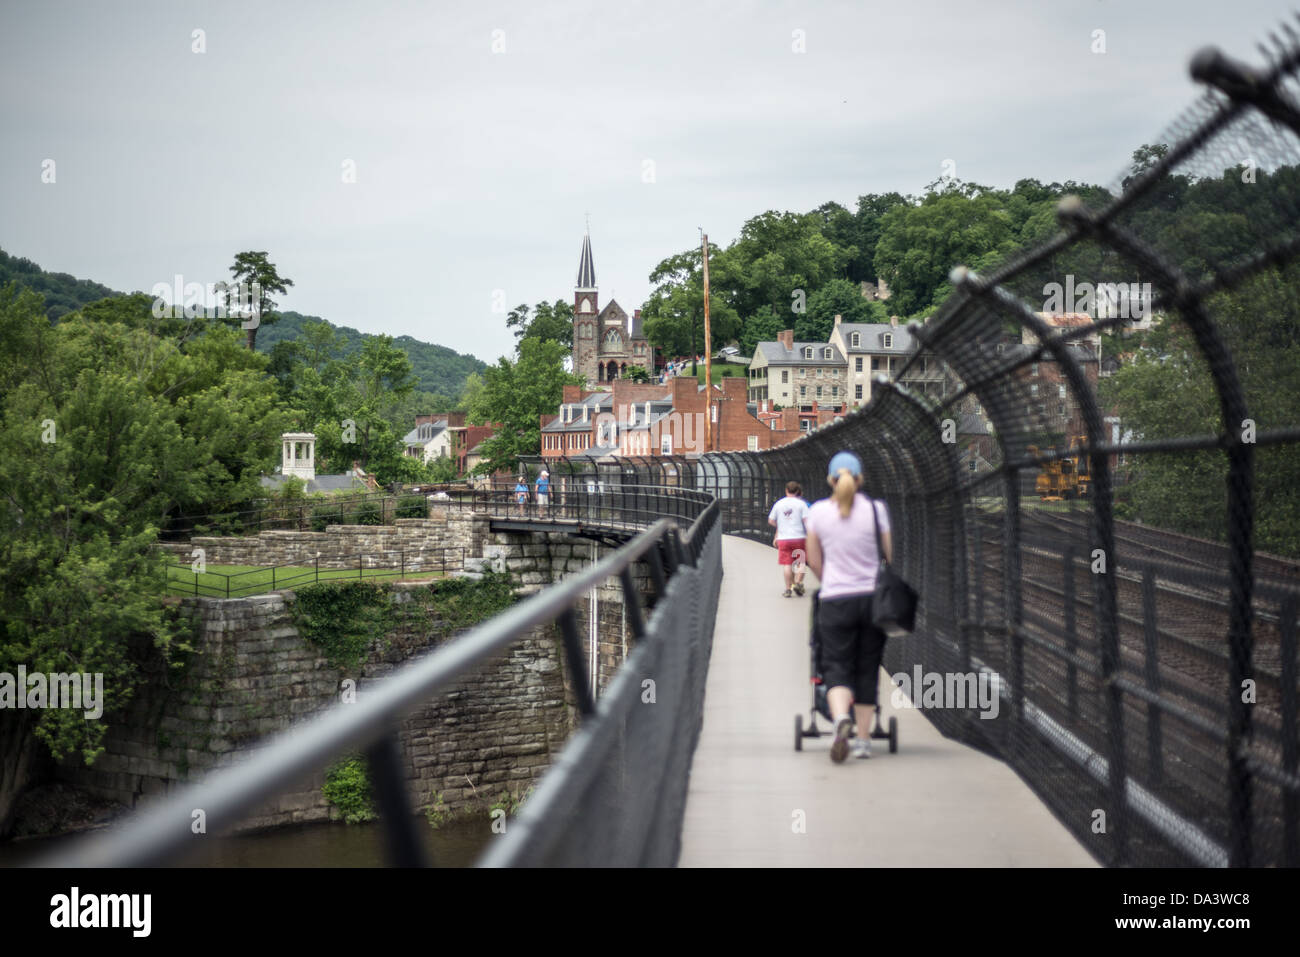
[482, 134]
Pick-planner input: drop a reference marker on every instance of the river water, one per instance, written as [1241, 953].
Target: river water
[455, 844]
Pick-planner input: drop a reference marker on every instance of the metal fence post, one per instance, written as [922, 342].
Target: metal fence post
[1152, 672]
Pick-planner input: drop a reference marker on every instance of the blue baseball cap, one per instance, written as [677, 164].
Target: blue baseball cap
[844, 460]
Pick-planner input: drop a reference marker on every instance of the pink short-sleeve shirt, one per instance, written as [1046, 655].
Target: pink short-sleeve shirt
[849, 558]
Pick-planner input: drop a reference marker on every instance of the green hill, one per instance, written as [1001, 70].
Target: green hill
[63, 293]
[437, 368]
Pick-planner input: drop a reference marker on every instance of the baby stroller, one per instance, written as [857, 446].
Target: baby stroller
[821, 706]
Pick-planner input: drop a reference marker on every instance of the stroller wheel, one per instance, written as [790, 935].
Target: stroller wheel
[798, 732]
[893, 735]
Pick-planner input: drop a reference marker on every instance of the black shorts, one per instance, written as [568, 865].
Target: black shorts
[851, 645]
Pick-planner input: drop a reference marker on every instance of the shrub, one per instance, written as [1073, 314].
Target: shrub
[323, 515]
[412, 506]
[367, 513]
[343, 617]
[437, 814]
[347, 787]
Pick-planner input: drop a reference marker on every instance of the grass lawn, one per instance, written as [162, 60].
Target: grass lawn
[720, 371]
[247, 580]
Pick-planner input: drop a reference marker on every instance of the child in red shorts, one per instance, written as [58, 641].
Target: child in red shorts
[787, 517]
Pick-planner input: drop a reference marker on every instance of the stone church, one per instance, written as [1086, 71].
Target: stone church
[604, 347]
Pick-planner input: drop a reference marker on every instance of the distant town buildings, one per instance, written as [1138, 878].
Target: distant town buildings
[789, 373]
[634, 419]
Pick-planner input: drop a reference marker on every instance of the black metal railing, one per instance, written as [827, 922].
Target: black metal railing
[595, 498]
[208, 582]
[652, 746]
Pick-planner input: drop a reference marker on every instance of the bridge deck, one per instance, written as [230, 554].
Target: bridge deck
[935, 803]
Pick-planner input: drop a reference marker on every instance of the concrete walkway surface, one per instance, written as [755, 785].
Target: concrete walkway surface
[756, 802]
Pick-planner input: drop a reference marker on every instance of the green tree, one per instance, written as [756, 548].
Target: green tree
[552, 321]
[919, 245]
[763, 326]
[673, 316]
[839, 297]
[517, 394]
[253, 267]
[105, 429]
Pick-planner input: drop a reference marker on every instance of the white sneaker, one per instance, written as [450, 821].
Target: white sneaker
[861, 747]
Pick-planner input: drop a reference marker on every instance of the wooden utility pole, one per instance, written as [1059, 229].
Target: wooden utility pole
[708, 352]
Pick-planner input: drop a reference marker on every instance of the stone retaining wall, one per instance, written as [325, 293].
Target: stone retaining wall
[438, 543]
[494, 732]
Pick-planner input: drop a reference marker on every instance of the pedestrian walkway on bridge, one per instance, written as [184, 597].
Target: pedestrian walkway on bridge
[756, 802]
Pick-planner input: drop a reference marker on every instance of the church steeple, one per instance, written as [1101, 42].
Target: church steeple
[586, 268]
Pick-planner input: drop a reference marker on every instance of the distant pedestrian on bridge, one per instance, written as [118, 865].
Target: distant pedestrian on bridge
[787, 517]
[842, 553]
[543, 489]
[521, 495]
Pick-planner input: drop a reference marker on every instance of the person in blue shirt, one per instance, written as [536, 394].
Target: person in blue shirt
[543, 488]
[521, 494]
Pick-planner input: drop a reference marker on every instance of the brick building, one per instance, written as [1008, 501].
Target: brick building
[669, 419]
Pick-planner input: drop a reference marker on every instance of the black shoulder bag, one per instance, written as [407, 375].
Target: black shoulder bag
[893, 605]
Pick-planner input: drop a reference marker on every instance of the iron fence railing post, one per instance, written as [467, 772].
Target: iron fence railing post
[1151, 672]
[405, 840]
[1071, 632]
[632, 603]
[1011, 594]
[1290, 748]
[574, 661]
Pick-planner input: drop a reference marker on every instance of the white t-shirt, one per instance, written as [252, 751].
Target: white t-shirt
[789, 513]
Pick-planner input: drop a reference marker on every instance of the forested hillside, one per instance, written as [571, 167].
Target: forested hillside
[63, 293]
[437, 369]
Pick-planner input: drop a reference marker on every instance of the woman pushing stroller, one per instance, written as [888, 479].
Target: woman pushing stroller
[841, 546]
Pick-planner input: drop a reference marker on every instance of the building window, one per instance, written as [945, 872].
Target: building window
[835, 392]
[887, 340]
[1033, 369]
[807, 352]
[820, 371]
[826, 353]
[835, 373]
[875, 363]
[753, 443]
[819, 392]
[785, 376]
[803, 373]
[971, 464]
[1033, 389]
[666, 445]
[803, 391]
[857, 364]
[857, 341]
[857, 392]
[1060, 410]
[1061, 391]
